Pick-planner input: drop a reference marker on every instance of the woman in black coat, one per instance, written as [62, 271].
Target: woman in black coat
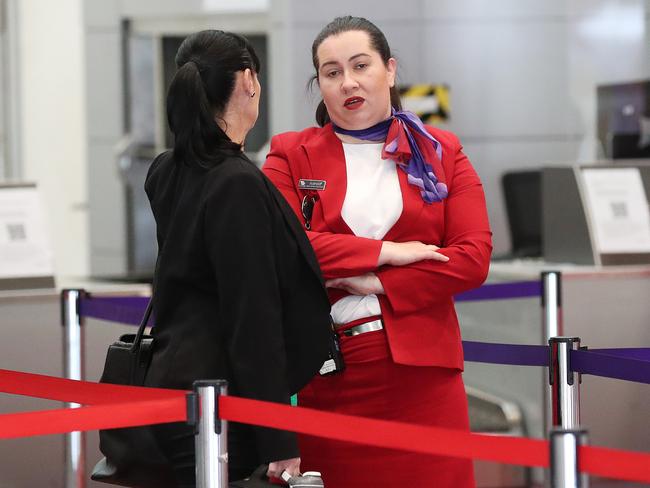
[238, 292]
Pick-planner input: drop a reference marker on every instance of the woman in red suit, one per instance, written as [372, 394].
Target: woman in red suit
[397, 218]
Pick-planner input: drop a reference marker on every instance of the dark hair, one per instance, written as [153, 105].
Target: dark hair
[377, 41]
[206, 62]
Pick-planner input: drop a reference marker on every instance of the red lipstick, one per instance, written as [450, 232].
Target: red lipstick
[354, 103]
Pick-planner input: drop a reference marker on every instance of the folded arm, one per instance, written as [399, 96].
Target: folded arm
[467, 243]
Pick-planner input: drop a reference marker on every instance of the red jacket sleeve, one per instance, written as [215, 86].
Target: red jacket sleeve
[339, 255]
[467, 242]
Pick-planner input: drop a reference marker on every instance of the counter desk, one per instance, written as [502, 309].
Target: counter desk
[31, 340]
[607, 307]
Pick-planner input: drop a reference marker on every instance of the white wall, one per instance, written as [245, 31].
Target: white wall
[609, 42]
[104, 115]
[53, 125]
[506, 63]
[522, 74]
[3, 73]
[9, 151]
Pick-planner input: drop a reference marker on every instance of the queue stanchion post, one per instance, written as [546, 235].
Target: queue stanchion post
[552, 304]
[564, 459]
[551, 301]
[73, 366]
[211, 433]
[565, 384]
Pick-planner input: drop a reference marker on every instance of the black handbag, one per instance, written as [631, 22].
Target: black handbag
[133, 457]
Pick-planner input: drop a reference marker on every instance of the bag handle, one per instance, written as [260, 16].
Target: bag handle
[143, 325]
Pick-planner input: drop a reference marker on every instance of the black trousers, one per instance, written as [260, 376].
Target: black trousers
[177, 443]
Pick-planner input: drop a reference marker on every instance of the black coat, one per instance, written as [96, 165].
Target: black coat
[238, 291]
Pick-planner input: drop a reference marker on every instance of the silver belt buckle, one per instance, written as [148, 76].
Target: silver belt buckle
[363, 328]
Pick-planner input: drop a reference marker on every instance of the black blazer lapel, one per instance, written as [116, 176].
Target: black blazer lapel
[297, 230]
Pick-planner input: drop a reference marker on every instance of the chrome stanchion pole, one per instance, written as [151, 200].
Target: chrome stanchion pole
[552, 304]
[73, 368]
[564, 458]
[551, 327]
[211, 434]
[565, 384]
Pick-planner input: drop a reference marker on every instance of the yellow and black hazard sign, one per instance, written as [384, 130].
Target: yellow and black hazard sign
[429, 102]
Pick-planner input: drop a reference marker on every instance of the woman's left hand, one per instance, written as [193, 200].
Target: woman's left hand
[367, 284]
[291, 466]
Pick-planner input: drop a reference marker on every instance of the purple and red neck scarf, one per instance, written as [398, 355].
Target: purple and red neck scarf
[404, 134]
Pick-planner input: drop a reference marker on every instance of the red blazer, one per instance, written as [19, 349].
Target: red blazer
[418, 307]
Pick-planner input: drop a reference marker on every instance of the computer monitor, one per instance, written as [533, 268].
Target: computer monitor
[523, 197]
[628, 146]
[623, 114]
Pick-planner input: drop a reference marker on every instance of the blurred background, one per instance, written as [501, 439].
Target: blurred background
[83, 86]
[527, 85]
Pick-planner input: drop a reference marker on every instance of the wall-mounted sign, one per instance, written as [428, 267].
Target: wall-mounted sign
[429, 102]
[617, 209]
[25, 251]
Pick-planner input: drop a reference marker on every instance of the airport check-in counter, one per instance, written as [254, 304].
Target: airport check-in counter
[606, 308]
[32, 342]
[596, 217]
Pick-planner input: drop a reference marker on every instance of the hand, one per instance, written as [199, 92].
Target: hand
[366, 284]
[291, 466]
[403, 253]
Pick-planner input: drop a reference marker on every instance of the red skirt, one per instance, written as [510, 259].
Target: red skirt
[374, 386]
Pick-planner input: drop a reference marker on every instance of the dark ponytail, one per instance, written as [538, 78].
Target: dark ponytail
[207, 62]
[377, 41]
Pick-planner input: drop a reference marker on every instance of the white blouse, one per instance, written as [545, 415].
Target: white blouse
[372, 205]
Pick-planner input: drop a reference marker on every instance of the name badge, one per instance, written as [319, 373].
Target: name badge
[318, 185]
